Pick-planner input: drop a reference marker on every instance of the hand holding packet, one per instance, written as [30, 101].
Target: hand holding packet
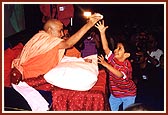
[98, 14]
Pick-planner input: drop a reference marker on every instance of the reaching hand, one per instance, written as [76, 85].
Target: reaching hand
[100, 26]
[102, 61]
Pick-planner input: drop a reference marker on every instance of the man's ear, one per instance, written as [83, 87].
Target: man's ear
[127, 55]
[49, 30]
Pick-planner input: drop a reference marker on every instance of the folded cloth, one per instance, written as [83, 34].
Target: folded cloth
[74, 73]
[35, 100]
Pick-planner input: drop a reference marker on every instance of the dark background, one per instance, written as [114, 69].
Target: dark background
[115, 15]
[119, 17]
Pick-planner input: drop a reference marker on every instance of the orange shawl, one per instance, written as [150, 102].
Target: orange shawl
[39, 55]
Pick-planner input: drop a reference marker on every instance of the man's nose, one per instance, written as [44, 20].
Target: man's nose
[62, 34]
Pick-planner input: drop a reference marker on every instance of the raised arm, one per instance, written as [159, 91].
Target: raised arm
[102, 29]
[78, 35]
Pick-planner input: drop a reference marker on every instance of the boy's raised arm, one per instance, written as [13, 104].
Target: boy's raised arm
[102, 29]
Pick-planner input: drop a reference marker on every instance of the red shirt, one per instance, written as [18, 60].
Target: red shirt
[121, 86]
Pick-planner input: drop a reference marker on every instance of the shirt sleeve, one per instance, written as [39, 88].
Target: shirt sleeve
[107, 56]
[124, 75]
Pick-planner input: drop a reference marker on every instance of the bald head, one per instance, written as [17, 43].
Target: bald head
[52, 23]
[54, 27]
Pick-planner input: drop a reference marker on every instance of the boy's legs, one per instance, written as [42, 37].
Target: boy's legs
[114, 103]
[127, 101]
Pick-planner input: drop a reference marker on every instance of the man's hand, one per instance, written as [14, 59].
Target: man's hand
[88, 60]
[93, 19]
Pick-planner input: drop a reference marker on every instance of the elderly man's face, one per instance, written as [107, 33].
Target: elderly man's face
[57, 29]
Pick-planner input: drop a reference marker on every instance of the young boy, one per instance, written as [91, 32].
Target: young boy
[122, 87]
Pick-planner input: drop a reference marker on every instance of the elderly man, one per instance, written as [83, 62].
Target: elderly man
[46, 48]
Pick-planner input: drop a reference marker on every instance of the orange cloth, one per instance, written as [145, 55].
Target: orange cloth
[39, 55]
[73, 52]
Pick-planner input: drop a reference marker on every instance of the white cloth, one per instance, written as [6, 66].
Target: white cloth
[74, 73]
[156, 54]
[32, 96]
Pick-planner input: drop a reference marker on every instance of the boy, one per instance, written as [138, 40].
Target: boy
[122, 88]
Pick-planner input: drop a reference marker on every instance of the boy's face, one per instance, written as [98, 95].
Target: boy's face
[119, 52]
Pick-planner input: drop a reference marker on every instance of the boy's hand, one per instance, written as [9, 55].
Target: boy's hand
[102, 61]
[100, 26]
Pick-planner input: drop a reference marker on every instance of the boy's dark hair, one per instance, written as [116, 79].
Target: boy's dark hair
[126, 46]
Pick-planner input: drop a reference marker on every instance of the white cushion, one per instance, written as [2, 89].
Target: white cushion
[74, 73]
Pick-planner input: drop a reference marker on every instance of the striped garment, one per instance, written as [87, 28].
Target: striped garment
[124, 86]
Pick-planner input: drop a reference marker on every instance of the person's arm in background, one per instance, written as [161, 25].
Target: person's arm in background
[153, 60]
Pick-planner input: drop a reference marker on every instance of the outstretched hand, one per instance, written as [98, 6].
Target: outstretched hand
[100, 26]
[102, 61]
